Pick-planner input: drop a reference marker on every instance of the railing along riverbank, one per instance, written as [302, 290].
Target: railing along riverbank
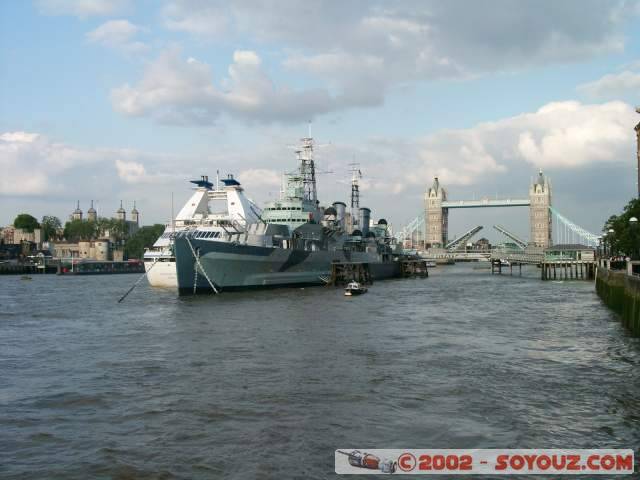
[620, 291]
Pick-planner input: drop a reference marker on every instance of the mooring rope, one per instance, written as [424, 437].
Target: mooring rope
[137, 282]
[198, 264]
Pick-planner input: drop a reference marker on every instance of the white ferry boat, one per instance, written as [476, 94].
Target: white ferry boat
[213, 212]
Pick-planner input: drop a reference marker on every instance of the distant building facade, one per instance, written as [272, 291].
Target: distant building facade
[482, 245]
[14, 236]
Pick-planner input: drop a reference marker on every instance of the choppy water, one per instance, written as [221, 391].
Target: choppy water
[268, 384]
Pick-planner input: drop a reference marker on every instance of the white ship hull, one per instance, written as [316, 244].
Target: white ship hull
[163, 274]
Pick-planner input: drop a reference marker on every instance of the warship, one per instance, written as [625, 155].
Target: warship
[293, 243]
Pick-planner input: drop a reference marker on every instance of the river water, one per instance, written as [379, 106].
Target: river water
[268, 384]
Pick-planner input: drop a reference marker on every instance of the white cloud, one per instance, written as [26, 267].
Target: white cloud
[119, 35]
[362, 49]
[557, 136]
[130, 172]
[30, 163]
[19, 137]
[614, 85]
[561, 136]
[33, 164]
[203, 18]
[82, 8]
[260, 178]
[178, 91]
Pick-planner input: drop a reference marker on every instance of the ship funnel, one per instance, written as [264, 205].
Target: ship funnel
[365, 218]
[340, 213]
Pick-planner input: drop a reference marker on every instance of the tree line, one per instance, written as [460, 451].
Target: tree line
[85, 230]
[625, 238]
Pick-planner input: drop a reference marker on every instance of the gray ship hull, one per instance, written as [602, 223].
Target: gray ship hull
[232, 266]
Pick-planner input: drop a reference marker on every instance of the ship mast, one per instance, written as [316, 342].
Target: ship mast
[356, 175]
[308, 170]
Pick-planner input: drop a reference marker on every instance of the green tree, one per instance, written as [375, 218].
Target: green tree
[26, 222]
[623, 240]
[118, 229]
[143, 238]
[76, 230]
[50, 226]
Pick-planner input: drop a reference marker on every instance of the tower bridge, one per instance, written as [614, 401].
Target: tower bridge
[430, 230]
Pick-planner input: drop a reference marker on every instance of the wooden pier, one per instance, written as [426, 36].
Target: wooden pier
[345, 272]
[414, 268]
[552, 269]
[568, 270]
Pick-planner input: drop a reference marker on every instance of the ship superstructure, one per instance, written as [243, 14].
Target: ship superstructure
[298, 203]
[213, 211]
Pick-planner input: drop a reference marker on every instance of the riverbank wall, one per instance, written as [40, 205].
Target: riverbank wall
[621, 292]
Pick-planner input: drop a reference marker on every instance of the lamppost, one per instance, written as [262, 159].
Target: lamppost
[610, 237]
[637, 129]
[633, 226]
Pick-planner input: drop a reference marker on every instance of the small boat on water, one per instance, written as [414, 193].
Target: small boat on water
[354, 288]
[25, 277]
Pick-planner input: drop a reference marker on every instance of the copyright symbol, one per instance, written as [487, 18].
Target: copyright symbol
[406, 462]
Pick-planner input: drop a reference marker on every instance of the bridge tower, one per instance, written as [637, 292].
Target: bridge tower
[436, 217]
[539, 213]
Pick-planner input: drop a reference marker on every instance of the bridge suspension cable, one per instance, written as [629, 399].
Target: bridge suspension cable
[567, 232]
[416, 226]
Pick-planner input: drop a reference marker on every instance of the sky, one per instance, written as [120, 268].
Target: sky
[110, 100]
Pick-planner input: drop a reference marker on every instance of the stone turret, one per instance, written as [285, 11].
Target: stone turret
[92, 215]
[120, 213]
[77, 213]
[539, 213]
[135, 215]
[436, 217]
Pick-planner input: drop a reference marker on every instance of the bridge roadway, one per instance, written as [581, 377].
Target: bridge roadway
[486, 202]
[523, 257]
[530, 257]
